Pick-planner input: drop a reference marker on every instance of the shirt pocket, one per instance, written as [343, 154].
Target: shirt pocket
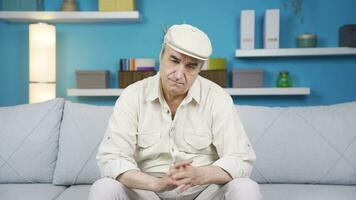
[147, 139]
[199, 140]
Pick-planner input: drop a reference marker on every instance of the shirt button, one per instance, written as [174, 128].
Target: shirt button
[172, 149]
[167, 111]
[172, 129]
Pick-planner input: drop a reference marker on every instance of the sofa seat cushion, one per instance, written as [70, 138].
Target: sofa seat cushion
[75, 192]
[30, 191]
[307, 192]
[29, 141]
[82, 130]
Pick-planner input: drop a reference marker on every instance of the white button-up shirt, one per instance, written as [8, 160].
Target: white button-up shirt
[141, 134]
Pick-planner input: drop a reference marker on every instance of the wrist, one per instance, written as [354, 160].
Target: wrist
[204, 175]
[154, 185]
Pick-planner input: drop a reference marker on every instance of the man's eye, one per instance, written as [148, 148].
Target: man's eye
[175, 61]
[191, 66]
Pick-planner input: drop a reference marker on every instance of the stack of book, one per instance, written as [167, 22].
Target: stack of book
[135, 69]
[137, 64]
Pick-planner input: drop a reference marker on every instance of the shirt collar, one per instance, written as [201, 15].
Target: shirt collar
[194, 91]
[155, 90]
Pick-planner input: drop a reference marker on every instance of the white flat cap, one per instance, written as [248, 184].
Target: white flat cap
[189, 40]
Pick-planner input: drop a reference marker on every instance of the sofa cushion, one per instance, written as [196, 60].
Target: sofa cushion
[307, 192]
[30, 191]
[75, 192]
[29, 141]
[82, 130]
[314, 144]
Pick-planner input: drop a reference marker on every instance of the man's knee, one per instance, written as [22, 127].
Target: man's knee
[244, 183]
[106, 188]
[245, 188]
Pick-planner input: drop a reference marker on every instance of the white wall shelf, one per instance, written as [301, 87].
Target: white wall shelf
[336, 51]
[94, 92]
[68, 17]
[231, 91]
[267, 91]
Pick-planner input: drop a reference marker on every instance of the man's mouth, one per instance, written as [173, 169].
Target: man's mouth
[175, 82]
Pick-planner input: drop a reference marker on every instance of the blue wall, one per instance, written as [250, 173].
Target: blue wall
[98, 46]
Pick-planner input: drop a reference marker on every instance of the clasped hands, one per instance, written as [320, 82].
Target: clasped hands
[183, 175]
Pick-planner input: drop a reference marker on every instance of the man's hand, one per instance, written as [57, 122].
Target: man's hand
[186, 175]
[138, 180]
[164, 184]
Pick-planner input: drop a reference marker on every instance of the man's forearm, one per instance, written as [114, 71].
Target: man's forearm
[137, 180]
[215, 175]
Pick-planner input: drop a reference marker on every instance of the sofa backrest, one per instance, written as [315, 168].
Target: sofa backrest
[81, 132]
[303, 144]
[29, 141]
[315, 144]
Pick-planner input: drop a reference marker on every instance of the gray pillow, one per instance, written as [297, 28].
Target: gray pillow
[82, 130]
[28, 141]
[314, 144]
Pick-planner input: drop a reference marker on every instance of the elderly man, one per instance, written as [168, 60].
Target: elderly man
[176, 135]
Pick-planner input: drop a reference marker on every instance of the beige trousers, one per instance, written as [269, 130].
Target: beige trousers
[237, 189]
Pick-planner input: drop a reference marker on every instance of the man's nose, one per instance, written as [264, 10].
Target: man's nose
[180, 71]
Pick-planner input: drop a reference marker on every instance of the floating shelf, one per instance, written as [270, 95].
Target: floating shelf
[337, 51]
[267, 91]
[68, 17]
[231, 91]
[94, 92]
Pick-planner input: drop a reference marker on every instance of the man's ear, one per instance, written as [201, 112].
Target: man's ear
[163, 48]
[202, 65]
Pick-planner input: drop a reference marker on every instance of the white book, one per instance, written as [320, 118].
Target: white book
[271, 29]
[247, 28]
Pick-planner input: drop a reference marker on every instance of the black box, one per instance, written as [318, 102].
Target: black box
[347, 36]
[218, 76]
[126, 78]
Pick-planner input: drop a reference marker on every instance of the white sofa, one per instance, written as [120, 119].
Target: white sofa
[47, 150]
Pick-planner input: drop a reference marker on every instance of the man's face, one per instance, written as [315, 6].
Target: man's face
[178, 72]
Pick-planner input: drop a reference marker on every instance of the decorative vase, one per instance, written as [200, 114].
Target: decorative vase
[69, 5]
[306, 40]
[284, 79]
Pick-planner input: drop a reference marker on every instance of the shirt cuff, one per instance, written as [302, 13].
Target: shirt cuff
[235, 167]
[114, 168]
